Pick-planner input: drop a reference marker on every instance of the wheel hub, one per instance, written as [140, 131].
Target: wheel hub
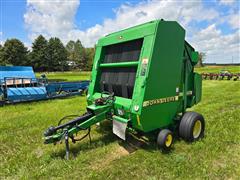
[168, 141]
[197, 128]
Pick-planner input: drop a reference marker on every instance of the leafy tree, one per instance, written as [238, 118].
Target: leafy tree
[56, 55]
[90, 52]
[15, 53]
[201, 59]
[80, 55]
[77, 54]
[38, 55]
[1, 56]
[70, 47]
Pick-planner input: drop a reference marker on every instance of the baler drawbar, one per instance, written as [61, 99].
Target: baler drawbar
[102, 107]
[142, 80]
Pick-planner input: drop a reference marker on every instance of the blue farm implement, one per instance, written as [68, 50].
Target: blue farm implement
[19, 84]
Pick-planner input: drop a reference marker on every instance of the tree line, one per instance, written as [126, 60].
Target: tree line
[47, 55]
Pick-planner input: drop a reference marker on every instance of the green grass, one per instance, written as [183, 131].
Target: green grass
[24, 156]
[67, 76]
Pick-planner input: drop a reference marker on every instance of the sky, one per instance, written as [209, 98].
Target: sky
[212, 26]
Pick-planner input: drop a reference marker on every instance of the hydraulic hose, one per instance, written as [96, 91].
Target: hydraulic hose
[52, 130]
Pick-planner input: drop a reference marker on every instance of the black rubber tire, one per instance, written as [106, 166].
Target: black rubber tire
[162, 137]
[187, 124]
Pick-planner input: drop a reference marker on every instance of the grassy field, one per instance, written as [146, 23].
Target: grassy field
[67, 76]
[24, 156]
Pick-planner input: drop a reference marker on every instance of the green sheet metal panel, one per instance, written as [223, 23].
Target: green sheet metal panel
[164, 76]
[197, 87]
[129, 34]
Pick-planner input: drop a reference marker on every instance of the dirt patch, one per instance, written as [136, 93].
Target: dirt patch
[39, 152]
[114, 155]
[130, 146]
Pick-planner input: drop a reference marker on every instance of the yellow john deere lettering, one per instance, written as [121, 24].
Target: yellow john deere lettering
[160, 101]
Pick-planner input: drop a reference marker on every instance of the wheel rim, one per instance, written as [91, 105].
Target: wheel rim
[168, 141]
[197, 128]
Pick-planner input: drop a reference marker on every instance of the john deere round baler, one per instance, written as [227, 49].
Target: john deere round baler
[142, 79]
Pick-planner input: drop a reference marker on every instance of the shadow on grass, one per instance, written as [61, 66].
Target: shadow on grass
[106, 138]
[146, 142]
[134, 141]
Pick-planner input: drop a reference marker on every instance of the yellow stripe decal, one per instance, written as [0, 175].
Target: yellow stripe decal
[138, 120]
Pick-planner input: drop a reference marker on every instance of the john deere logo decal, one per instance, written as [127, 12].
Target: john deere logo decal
[160, 101]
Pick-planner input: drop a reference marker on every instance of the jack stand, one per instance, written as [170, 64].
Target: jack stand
[67, 146]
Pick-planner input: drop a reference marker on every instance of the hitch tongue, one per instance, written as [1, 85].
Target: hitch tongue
[53, 130]
[95, 113]
[50, 131]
